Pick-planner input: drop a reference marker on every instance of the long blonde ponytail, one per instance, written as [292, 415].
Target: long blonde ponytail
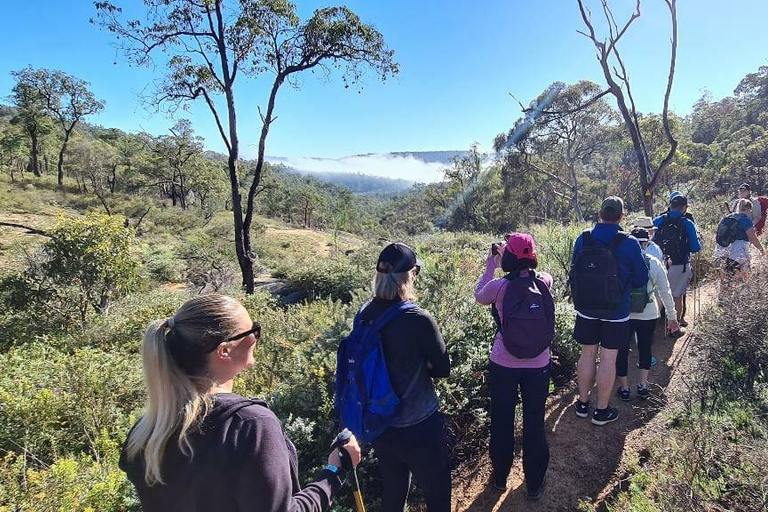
[174, 356]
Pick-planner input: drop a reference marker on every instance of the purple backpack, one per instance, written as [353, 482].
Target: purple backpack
[528, 326]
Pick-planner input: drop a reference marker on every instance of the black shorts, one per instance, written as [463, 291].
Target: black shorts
[613, 335]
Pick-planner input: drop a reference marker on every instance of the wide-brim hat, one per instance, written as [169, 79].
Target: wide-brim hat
[643, 223]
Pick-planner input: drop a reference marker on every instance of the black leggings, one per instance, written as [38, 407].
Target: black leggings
[420, 450]
[533, 384]
[645, 330]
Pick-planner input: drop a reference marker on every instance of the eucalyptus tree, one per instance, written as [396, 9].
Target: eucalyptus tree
[211, 44]
[31, 117]
[65, 98]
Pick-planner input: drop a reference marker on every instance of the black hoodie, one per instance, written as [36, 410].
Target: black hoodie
[242, 461]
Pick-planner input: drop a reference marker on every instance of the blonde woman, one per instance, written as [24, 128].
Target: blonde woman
[734, 235]
[199, 446]
[415, 442]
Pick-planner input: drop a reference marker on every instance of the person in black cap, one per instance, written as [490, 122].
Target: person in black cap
[415, 353]
[745, 192]
[678, 238]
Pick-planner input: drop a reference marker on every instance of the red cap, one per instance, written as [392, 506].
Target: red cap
[521, 245]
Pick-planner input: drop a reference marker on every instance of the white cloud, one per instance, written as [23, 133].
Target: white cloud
[405, 167]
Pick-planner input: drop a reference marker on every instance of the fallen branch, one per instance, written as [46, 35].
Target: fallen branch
[30, 230]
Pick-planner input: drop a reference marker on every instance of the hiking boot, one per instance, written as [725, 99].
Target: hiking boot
[683, 323]
[677, 334]
[642, 392]
[604, 416]
[536, 495]
[582, 408]
[623, 394]
[500, 484]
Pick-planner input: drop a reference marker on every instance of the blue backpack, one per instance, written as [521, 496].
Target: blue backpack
[365, 400]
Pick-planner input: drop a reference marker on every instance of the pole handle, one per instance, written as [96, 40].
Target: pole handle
[341, 440]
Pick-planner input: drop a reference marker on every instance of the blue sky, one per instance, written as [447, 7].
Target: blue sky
[459, 62]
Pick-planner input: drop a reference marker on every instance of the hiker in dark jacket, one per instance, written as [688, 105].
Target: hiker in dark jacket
[199, 447]
[507, 373]
[415, 442]
[608, 329]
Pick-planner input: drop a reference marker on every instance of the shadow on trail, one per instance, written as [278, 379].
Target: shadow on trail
[584, 458]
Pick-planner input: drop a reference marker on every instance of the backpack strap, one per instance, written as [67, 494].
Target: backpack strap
[586, 238]
[393, 312]
[617, 240]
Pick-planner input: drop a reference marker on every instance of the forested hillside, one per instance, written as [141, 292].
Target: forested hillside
[103, 230]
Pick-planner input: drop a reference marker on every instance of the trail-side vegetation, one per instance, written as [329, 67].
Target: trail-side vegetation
[102, 231]
[711, 451]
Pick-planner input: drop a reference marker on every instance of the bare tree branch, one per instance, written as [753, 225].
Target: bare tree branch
[579, 108]
[30, 230]
[672, 5]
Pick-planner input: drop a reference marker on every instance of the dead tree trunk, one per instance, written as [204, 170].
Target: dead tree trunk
[617, 78]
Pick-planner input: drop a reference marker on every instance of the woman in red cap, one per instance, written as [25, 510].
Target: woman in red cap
[524, 309]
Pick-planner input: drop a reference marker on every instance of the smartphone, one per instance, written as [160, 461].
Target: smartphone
[495, 248]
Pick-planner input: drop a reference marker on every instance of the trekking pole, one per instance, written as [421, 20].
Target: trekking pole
[346, 462]
[697, 291]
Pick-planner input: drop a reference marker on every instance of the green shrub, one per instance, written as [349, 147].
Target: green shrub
[122, 329]
[162, 262]
[565, 350]
[331, 277]
[54, 403]
[76, 483]
[209, 265]
[93, 256]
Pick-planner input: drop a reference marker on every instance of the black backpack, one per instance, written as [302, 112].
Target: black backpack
[729, 230]
[672, 237]
[595, 285]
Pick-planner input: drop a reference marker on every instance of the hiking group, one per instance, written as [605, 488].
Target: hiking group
[200, 446]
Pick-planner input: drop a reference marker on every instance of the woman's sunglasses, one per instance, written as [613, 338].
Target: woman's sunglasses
[256, 330]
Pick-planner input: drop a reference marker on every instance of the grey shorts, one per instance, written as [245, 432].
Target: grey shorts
[679, 279]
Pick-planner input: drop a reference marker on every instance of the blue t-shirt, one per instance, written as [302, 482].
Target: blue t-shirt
[745, 223]
[690, 229]
[633, 273]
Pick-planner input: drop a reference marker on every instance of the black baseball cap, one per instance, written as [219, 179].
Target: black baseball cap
[641, 234]
[678, 201]
[397, 258]
[745, 186]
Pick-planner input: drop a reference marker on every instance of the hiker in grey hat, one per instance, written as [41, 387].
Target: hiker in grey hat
[745, 192]
[652, 248]
[644, 314]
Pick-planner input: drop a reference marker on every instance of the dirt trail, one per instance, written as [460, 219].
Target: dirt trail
[587, 461]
